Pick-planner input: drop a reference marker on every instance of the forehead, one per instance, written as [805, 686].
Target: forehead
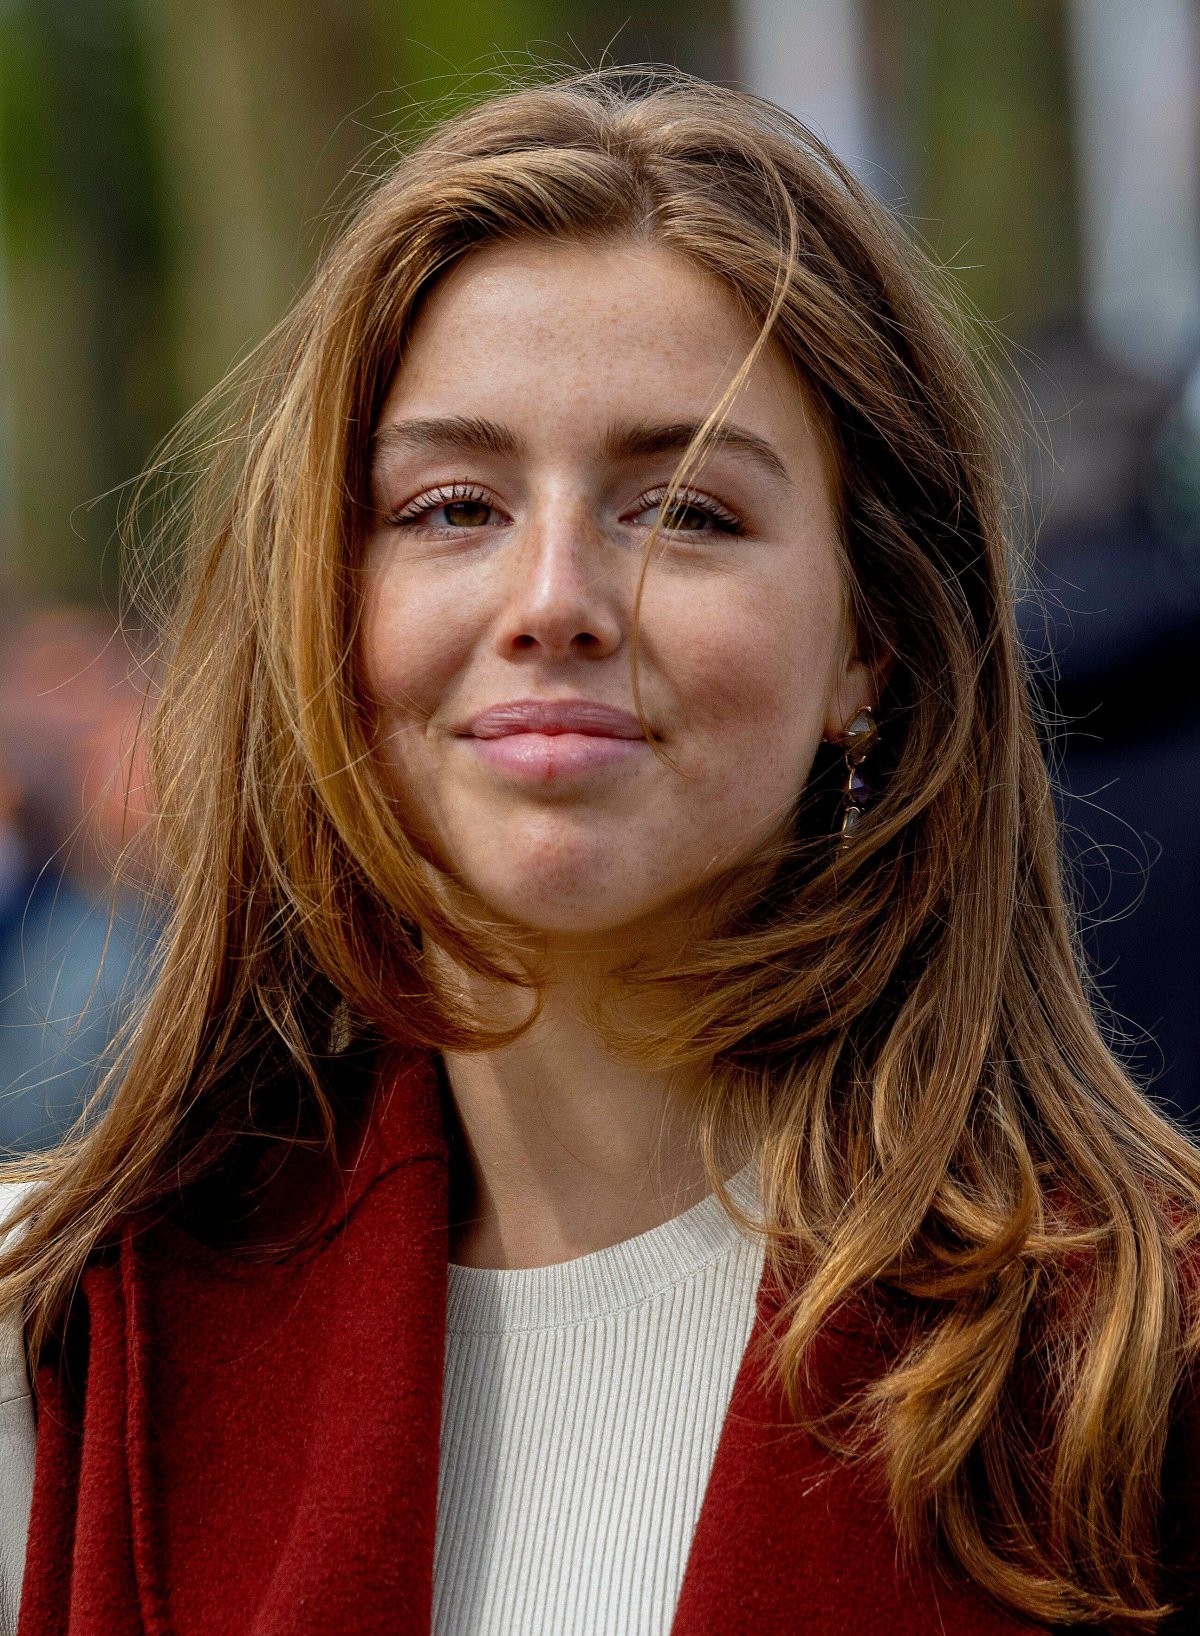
[597, 290]
[573, 338]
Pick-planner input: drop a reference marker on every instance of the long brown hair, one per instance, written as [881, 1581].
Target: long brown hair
[901, 1026]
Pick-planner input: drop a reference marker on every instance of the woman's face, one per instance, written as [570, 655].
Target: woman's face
[518, 463]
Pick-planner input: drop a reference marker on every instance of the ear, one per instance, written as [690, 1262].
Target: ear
[860, 681]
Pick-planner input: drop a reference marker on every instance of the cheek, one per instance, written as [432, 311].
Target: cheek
[753, 672]
[410, 646]
[410, 649]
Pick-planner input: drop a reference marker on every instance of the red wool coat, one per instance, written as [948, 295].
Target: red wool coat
[249, 1447]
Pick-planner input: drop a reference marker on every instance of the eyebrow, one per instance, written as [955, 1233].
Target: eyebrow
[473, 435]
[674, 437]
[466, 432]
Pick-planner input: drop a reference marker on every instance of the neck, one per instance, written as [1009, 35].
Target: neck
[564, 1148]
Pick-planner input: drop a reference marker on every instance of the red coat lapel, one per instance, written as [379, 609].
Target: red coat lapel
[266, 1432]
[270, 1428]
[792, 1540]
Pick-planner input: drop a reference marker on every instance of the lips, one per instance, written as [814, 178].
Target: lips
[555, 746]
[555, 716]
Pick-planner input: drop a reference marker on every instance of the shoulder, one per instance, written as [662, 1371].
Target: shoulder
[12, 1196]
[17, 1436]
[14, 1381]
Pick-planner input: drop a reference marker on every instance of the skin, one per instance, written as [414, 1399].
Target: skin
[505, 569]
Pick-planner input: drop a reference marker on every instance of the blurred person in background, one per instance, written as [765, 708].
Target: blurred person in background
[619, 1122]
[72, 937]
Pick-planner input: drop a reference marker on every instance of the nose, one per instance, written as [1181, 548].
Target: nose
[561, 593]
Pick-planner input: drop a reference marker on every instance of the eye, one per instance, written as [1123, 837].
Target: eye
[466, 513]
[686, 512]
[453, 508]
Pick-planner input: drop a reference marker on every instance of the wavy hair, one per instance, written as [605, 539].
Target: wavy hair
[901, 1027]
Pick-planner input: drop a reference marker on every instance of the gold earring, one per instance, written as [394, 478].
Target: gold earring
[856, 741]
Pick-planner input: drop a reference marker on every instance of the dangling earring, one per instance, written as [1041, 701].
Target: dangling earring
[856, 741]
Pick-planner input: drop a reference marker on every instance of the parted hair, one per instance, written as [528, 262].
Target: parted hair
[902, 1026]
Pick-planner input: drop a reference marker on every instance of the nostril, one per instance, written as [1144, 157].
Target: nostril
[588, 640]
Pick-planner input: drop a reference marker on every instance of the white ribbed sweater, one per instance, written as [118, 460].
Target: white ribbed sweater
[583, 1404]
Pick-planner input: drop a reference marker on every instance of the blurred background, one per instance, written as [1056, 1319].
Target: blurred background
[168, 172]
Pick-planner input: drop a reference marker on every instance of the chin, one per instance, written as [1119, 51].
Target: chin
[601, 903]
[563, 916]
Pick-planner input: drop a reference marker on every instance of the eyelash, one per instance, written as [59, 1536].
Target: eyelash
[456, 493]
[447, 494]
[693, 499]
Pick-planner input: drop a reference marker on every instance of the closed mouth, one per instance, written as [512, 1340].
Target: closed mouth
[555, 716]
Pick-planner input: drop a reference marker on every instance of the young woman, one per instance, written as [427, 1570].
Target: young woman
[618, 1140]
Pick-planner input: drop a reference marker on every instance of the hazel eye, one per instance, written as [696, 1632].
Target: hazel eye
[680, 517]
[465, 513]
[451, 509]
[686, 514]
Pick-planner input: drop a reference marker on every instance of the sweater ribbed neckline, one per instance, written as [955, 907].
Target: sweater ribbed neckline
[501, 1300]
